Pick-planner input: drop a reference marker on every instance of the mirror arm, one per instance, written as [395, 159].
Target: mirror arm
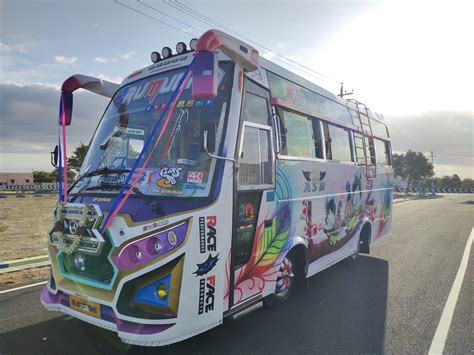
[213, 155]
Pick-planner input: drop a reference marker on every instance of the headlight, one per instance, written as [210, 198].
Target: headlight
[145, 248]
[79, 261]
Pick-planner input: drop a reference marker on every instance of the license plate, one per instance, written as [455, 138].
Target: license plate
[85, 306]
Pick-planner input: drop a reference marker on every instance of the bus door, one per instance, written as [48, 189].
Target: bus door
[254, 191]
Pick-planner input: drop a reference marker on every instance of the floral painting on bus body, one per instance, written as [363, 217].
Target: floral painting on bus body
[271, 244]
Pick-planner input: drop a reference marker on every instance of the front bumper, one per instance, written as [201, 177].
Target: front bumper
[129, 332]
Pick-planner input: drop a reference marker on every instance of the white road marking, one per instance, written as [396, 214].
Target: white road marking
[22, 287]
[439, 340]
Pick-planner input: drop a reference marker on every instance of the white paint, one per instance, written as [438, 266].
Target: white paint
[439, 340]
[23, 287]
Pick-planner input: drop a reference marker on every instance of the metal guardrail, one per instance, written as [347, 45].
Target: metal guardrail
[21, 264]
[453, 190]
[53, 186]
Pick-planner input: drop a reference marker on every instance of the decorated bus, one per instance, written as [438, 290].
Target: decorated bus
[215, 182]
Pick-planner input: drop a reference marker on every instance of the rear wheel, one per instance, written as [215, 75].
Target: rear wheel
[285, 282]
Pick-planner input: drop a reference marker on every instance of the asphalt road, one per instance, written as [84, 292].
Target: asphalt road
[389, 302]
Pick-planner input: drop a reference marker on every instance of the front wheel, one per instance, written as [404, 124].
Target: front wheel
[285, 282]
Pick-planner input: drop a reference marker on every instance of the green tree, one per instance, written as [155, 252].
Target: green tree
[468, 183]
[412, 166]
[77, 158]
[43, 176]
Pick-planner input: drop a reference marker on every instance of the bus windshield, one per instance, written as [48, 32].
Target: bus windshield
[178, 166]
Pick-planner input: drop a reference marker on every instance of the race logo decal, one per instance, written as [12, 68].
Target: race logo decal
[207, 290]
[195, 177]
[207, 244]
[169, 177]
[314, 180]
[207, 266]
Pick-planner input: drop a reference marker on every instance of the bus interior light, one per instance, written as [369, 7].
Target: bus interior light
[192, 44]
[166, 52]
[155, 57]
[181, 48]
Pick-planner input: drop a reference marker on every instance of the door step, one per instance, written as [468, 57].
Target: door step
[246, 311]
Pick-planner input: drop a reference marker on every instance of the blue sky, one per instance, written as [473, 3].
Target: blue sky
[408, 60]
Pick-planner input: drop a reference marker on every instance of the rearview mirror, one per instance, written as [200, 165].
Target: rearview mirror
[65, 108]
[54, 156]
[204, 74]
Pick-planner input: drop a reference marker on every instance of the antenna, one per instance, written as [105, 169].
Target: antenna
[344, 93]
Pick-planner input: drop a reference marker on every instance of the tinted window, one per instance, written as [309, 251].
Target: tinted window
[338, 146]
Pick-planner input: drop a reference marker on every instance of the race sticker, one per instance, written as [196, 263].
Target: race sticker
[195, 177]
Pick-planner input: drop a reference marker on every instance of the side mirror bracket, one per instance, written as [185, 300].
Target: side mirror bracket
[213, 155]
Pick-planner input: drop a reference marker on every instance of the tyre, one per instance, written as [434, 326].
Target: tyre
[285, 282]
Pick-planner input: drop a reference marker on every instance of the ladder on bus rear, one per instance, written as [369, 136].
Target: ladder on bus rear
[360, 118]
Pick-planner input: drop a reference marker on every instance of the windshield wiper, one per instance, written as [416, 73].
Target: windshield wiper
[103, 171]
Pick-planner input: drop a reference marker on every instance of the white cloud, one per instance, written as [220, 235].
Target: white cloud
[128, 56]
[65, 60]
[101, 59]
[4, 47]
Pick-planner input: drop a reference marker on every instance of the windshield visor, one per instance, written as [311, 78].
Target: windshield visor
[177, 166]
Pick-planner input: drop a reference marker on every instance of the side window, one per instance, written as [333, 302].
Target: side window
[382, 151]
[298, 138]
[255, 109]
[255, 164]
[317, 137]
[338, 144]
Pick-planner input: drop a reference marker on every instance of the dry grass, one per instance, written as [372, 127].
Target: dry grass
[25, 276]
[24, 226]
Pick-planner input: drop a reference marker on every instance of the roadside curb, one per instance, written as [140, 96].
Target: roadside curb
[21, 264]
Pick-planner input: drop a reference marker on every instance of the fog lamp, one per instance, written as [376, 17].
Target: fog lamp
[181, 47]
[192, 44]
[166, 52]
[162, 291]
[155, 57]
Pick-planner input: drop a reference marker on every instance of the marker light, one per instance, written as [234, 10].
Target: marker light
[161, 291]
[181, 48]
[155, 57]
[192, 44]
[166, 52]
[172, 238]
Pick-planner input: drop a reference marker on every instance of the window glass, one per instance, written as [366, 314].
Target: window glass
[249, 168]
[265, 156]
[340, 146]
[378, 129]
[299, 138]
[255, 166]
[318, 139]
[369, 144]
[382, 152]
[255, 109]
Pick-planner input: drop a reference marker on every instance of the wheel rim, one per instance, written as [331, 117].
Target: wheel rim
[285, 278]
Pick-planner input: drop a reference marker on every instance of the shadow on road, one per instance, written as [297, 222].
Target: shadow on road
[343, 311]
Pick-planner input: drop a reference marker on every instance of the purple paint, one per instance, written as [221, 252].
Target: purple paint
[143, 250]
[107, 314]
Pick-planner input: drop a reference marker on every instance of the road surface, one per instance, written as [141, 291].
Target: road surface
[389, 302]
